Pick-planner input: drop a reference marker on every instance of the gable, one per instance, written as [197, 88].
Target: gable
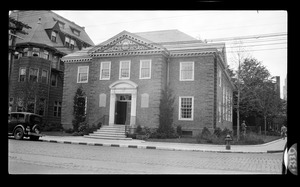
[126, 43]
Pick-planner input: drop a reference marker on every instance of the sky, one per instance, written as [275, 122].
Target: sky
[258, 34]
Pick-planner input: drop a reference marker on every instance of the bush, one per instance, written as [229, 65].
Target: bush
[179, 130]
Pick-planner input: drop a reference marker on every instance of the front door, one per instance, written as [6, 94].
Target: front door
[121, 112]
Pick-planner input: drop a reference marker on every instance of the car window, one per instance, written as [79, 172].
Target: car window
[21, 118]
[35, 119]
[14, 118]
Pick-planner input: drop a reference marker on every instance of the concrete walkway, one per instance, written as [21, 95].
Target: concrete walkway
[271, 147]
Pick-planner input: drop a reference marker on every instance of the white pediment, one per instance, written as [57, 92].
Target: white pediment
[123, 84]
[125, 42]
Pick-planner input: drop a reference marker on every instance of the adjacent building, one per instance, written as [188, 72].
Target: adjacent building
[123, 79]
[37, 73]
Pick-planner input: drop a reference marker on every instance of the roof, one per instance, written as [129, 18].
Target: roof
[165, 36]
[174, 42]
[48, 20]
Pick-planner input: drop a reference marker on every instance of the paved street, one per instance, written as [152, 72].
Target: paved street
[52, 158]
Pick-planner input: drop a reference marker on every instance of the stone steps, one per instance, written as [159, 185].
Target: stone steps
[113, 132]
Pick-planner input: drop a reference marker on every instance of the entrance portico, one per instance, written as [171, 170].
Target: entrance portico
[123, 87]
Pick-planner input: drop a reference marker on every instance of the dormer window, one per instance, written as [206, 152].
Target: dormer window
[36, 52]
[76, 32]
[67, 41]
[60, 24]
[53, 36]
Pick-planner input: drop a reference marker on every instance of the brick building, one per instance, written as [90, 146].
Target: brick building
[123, 79]
[36, 81]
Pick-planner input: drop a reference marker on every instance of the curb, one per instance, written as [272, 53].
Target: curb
[156, 147]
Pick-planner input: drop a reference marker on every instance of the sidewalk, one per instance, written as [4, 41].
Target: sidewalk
[271, 147]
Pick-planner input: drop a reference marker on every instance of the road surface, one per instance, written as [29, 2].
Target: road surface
[37, 157]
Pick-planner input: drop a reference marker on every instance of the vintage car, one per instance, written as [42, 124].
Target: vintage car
[24, 124]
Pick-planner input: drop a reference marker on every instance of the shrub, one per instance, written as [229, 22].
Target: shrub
[179, 130]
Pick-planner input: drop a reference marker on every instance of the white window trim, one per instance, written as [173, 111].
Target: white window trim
[101, 66]
[180, 77]
[141, 61]
[120, 69]
[179, 107]
[78, 80]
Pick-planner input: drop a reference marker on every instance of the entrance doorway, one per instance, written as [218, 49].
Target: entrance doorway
[122, 109]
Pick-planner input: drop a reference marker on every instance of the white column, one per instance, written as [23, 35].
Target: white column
[112, 104]
[133, 109]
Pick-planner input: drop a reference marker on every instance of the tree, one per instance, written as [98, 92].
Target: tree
[79, 108]
[267, 101]
[258, 96]
[166, 112]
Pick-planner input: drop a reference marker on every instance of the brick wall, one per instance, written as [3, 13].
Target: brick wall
[70, 86]
[202, 88]
[95, 87]
[39, 89]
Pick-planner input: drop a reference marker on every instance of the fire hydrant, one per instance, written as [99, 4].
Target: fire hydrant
[227, 141]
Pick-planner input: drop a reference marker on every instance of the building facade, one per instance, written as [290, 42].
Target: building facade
[37, 74]
[123, 79]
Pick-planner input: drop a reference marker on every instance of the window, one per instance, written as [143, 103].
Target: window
[67, 41]
[72, 44]
[76, 32]
[41, 106]
[44, 76]
[61, 25]
[57, 109]
[82, 76]
[102, 100]
[53, 36]
[46, 55]
[53, 79]
[22, 75]
[36, 52]
[186, 71]
[33, 75]
[186, 106]
[124, 70]
[105, 70]
[145, 69]
[25, 52]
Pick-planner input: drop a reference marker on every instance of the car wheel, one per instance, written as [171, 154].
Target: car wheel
[34, 138]
[19, 134]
